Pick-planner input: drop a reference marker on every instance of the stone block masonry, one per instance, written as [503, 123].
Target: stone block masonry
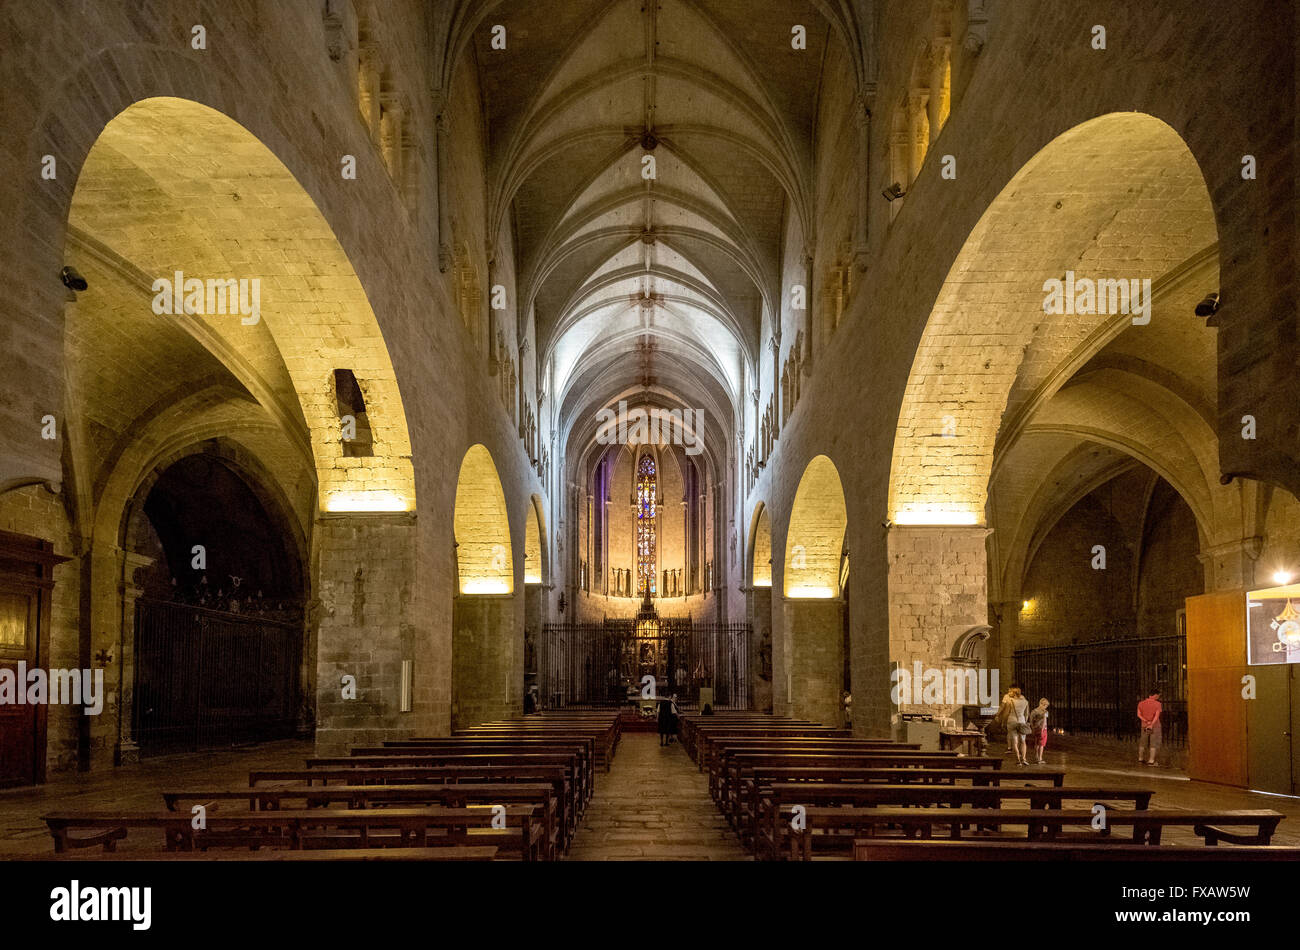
[367, 627]
[937, 590]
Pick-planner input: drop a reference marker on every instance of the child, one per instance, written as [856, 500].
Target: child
[1038, 728]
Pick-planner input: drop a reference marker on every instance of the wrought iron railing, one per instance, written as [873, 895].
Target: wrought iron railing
[208, 678]
[1094, 688]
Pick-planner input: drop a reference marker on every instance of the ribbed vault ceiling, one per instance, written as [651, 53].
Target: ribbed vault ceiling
[659, 283]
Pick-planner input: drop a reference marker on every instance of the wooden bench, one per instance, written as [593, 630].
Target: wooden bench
[712, 747]
[692, 724]
[371, 796]
[725, 780]
[602, 742]
[706, 742]
[559, 777]
[613, 726]
[582, 788]
[753, 781]
[583, 748]
[447, 853]
[1041, 823]
[691, 730]
[605, 736]
[404, 827]
[886, 849]
[768, 833]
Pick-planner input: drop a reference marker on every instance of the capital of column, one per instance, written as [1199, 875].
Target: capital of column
[1251, 547]
[1231, 564]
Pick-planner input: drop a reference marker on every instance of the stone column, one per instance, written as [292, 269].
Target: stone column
[814, 634]
[484, 631]
[368, 626]
[686, 545]
[1231, 566]
[916, 142]
[938, 589]
[604, 539]
[494, 358]
[940, 49]
[101, 629]
[776, 383]
[807, 356]
[1006, 635]
[702, 519]
[442, 162]
[368, 91]
[390, 136]
[760, 647]
[125, 751]
[862, 119]
[585, 540]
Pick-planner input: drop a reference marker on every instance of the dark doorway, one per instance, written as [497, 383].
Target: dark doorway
[219, 641]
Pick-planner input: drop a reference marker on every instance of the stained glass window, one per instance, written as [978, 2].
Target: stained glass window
[646, 541]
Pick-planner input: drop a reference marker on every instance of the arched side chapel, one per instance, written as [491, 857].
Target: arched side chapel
[680, 215]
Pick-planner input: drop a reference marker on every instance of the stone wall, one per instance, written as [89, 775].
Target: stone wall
[1034, 77]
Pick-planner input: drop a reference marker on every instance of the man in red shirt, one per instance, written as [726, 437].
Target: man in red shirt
[1149, 714]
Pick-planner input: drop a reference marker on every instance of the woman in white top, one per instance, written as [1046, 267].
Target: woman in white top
[1018, 723]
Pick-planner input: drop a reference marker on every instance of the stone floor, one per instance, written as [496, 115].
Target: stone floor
[1086, 764]
[131, 787]
[651, 805]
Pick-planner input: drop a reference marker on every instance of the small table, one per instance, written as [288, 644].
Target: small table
[967, 742]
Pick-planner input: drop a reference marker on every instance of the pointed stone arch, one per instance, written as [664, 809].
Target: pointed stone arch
[487, 640]
[484, 558]
[535, 543]
[760, 548]
[812, 655]
[948, 427]
[186, 215]
[815, 538]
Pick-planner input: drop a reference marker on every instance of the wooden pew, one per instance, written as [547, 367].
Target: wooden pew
[712, 747]
[559, 777]
[602, 740]
[898, 849]
[768, 833]
[582, 787]
[1041, 823]
[370, 796]
[729, 759]
[584, 748]
[405, 827]
[690, 727]
[691, 724]
[446, 853]
[605, 732]
[707, 740]
[754, 781]
[724, 780]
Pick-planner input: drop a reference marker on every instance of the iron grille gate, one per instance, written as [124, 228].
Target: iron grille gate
[596, 664]
[206, 678]
[1095, 687]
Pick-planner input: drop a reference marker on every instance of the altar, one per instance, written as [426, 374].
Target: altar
[633, 662]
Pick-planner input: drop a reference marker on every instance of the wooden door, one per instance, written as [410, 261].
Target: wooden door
[26, 583]
[1269, 729]
[18, 750]
[1216, 710]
